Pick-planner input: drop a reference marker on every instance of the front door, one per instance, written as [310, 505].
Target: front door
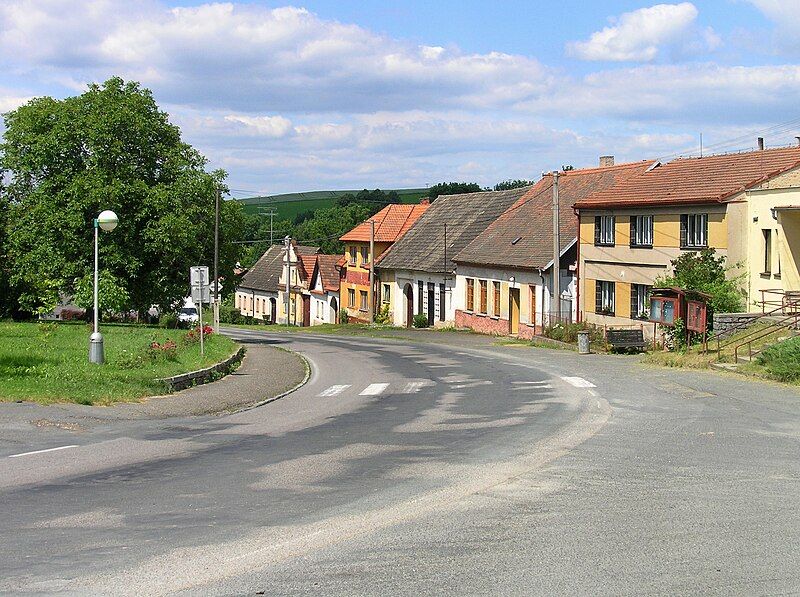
[513, 311]
[306, 311]
[431, 303]
[408, 291]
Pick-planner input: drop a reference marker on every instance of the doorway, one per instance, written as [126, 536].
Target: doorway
[334, 310]
[273, 309]
[431, 303]
[408, 293]
[513, 311]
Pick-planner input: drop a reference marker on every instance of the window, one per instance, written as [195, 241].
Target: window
[470, 294]
[363, 303]
[767, 251]
[420, 297]
[484, 297]
[642, 231]
[778, 273]
[351, 297]
[364, 255]
[442, 305]
[352, 251]
[604, 297]
[387, 293]
[604, 230]
[662, 310]
[640, 301]
[694, 231]
[496, 298]
[532, 316]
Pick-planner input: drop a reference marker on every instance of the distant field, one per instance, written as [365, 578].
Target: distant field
[289, 205]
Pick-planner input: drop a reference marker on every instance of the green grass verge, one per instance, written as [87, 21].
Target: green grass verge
[48, 363]
[780, 362]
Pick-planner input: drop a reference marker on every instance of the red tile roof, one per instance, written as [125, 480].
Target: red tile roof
[710, 179]
[522, 237]
[307, 262]
[328, 272]
[392, 222]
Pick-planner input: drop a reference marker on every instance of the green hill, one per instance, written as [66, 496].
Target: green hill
[288, 205]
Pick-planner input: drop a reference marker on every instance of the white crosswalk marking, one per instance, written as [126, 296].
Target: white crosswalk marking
[413, 387]
[525, 383]
[578, 382]
[334, 390]
[374, 389]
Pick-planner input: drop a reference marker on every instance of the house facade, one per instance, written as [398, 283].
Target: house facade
[733, 204]
[256, 295]
[294, 305]
[324, 290]
[504, 283]
[390, 224]
[417, 274]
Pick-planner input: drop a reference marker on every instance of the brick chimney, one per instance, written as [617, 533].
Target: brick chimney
[606, 160]
[425, 201]
[761, 143]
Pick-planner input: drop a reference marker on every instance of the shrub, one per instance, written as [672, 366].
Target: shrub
[383, 317]
[168, 320]
[130, 360]
[167, 350]
[782, 360]
[344, 318]
[420, 320]
[193, 335]
[568, 332]
[229, 314]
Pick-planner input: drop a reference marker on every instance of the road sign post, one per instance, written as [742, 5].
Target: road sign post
[198, 276]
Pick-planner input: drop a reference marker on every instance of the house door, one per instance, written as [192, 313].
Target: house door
[408, 292]
[273, 310]
[431, 301]
[334, 310]
[513, 310]
[306, 311]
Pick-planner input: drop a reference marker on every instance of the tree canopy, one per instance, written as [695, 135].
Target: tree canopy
[507, 185]
[109, 148]
[704, 271]
[453, 188]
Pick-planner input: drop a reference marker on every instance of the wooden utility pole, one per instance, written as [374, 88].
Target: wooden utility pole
[556, 250]
[371, 270]
[286, 242]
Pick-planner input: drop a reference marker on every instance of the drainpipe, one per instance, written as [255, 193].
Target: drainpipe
[578, 311]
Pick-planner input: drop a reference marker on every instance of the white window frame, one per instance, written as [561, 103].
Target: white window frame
[387, 293]
[607, 225]
[608, 296]
[697, 231]
[642, 231]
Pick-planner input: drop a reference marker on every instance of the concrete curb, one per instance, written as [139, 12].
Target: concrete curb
[287, 392]
[201, 376]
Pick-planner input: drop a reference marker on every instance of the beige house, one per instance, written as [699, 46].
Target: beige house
[738, 204]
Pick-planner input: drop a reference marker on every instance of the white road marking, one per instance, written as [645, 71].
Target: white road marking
[374, 389]
[521, 365]
[578, 382]
[413, 387]
[525, 383]
[43, 451]
[472, 384]
[593, 393]
[334, 390]
[521, 388]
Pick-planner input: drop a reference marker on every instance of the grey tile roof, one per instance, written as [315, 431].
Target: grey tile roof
[422, 248]
[265, 275]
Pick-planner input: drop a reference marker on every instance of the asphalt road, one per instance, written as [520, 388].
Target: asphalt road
[409, 468]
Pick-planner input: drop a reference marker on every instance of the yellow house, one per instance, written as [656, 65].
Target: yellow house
[738, 204]
[390, 224]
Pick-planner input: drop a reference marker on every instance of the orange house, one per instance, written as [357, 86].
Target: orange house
[391, 223]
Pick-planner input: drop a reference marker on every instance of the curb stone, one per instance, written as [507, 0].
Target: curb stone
[287, 392]
[201, 376]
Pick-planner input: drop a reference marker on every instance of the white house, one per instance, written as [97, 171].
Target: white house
[257, 293]
[324, 290]
[417, 274]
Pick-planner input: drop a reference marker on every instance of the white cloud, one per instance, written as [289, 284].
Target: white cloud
[250, 58]
[267, 126]
[642, 35]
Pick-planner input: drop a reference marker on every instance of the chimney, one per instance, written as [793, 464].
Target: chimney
[425, 201]
[761, 143]
[798, 140]
[606, 160]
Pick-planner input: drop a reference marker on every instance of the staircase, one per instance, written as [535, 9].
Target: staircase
[748, 339]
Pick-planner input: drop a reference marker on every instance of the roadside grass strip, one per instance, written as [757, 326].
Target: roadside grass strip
[48, 362]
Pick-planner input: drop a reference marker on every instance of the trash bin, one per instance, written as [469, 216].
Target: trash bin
[583, 342]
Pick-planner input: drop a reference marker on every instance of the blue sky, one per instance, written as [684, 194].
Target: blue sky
[324, 94]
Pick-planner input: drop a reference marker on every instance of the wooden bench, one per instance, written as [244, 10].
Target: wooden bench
[626, 339]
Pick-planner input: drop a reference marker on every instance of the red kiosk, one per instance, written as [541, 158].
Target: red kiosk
[670, 304]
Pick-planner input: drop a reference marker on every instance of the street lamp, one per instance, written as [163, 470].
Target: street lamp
[107, 220]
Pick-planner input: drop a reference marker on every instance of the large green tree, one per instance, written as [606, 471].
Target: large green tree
[110, 148]
[453, 188]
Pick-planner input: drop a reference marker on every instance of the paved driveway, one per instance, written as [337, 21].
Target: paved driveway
[415, 468]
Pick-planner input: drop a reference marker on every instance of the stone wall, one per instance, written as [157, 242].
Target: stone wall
[725, 322]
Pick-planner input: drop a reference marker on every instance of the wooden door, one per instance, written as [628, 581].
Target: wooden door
[409, 294]
[306, 311]
[513, 310]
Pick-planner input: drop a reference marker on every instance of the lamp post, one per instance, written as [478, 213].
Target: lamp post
[107, 220]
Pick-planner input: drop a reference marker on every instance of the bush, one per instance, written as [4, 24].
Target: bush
[229, 314]
[168, 350]
[420, 320]
[782, 360]
[383, 317]
[168, 320]
[568, 332]
[130, 360]
[344, 318]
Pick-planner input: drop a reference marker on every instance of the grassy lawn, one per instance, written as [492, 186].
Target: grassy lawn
[49, 362]
[780, 362]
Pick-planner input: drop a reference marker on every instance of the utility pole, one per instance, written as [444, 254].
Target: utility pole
[216, 261]
[271, 213]
[556, 250]
[287, 241]
[371, 270]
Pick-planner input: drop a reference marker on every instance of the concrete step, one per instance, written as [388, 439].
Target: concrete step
[725, 366]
